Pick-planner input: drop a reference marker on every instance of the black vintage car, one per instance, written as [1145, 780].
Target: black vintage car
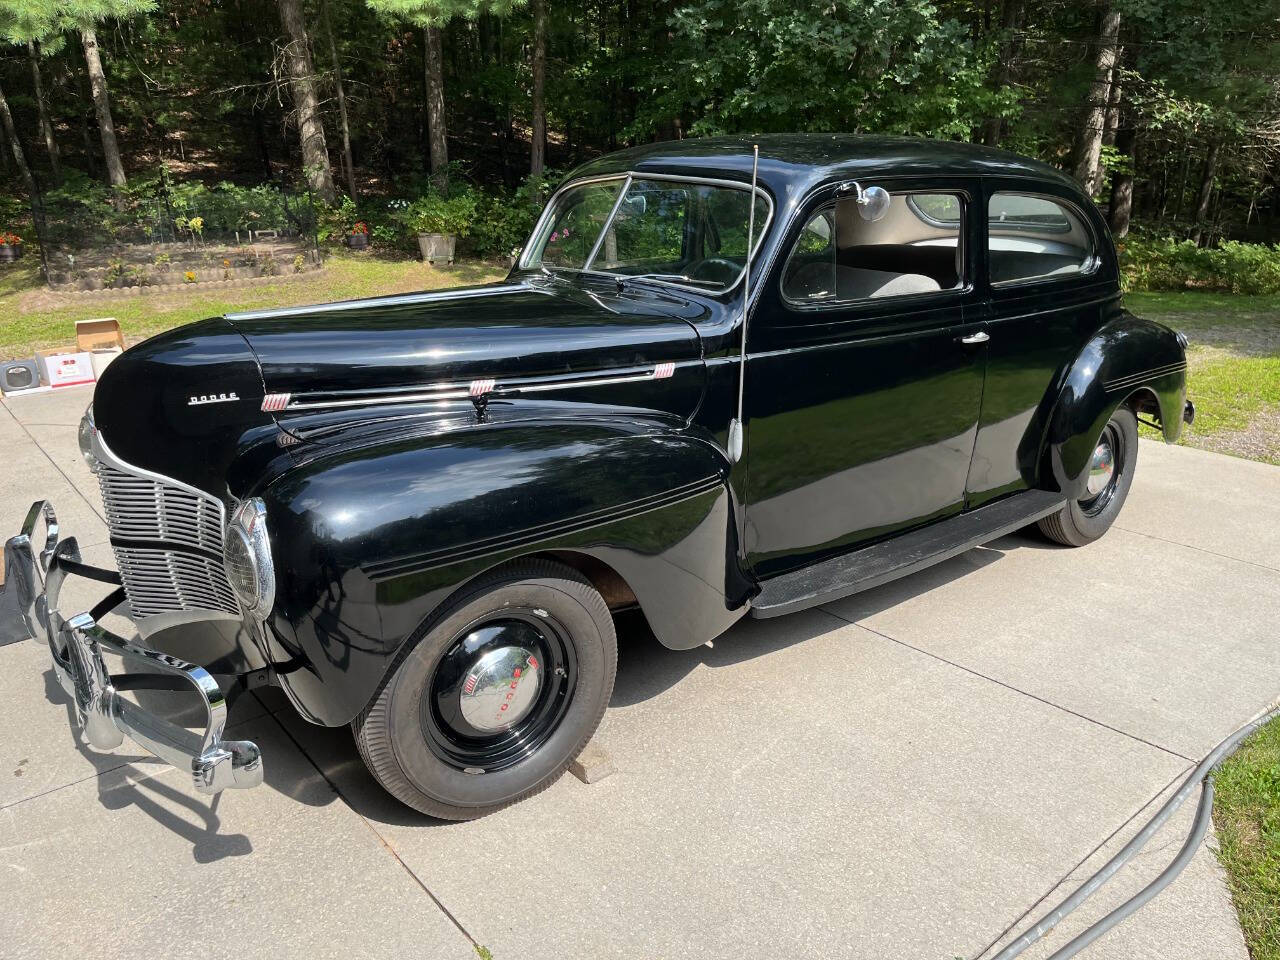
[718, 383]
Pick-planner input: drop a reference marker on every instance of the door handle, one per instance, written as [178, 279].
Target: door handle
[980, 337]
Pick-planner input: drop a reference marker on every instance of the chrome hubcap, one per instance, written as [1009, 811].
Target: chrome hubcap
[1101, 468]
[501, 688]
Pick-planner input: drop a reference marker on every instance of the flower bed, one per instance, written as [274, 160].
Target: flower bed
[127, 266]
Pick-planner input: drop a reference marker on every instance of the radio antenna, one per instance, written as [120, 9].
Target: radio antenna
[735, 425]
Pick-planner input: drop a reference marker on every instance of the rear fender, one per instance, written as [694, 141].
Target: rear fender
[1128, 361]
[369, 542]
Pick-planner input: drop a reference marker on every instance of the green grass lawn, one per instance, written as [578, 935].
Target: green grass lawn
[33, 317]
[1246, 813]
[1234, 360]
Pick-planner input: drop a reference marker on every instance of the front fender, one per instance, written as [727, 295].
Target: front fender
[1127, 360]
[369, 541]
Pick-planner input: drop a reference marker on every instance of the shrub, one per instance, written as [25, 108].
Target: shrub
[435, 212]
[1165, 264]
[334, 222]
[505, 220]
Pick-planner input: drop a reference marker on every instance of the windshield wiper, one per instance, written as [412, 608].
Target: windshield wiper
[678, 277]
[552, 274]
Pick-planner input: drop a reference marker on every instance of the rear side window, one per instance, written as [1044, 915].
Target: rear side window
[912, 248]
[1035, 238]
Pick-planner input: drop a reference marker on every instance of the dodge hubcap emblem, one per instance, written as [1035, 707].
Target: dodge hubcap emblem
[500, 688]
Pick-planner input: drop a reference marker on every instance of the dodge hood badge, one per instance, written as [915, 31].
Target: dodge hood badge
[212, 398]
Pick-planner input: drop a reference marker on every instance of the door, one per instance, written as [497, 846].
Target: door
[1047, 278]
[864, 374]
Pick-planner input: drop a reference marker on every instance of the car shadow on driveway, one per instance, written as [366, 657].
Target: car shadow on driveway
[646, 668]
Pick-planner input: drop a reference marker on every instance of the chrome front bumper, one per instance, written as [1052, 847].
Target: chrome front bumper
[77, 645]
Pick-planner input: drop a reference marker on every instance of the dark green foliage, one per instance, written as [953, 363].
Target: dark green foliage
[1232, 267]
[201, 85]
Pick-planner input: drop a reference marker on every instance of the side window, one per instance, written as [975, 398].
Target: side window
[1033, 238]
[913, 248]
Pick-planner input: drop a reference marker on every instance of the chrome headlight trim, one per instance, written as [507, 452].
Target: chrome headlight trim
[84, 436]
[247, 559]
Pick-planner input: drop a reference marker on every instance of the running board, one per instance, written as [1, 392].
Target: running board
[908, 553]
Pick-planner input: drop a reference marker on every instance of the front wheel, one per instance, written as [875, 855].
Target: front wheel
[1111, 467]
[500, 694]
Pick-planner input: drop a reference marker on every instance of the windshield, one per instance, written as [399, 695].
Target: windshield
[687, 233]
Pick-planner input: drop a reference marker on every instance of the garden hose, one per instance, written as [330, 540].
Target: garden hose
[1203, 773]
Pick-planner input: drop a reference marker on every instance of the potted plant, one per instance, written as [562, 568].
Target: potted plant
[358, 236]
[10, 247]
[438, 220]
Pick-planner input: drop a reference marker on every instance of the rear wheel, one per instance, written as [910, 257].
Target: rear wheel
[1111, 467]
[492, 703]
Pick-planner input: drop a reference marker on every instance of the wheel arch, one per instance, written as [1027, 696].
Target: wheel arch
[1128, 362]
[640, 513]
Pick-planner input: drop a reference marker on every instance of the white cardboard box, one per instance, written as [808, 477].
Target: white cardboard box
[101, 358]
[65, 369]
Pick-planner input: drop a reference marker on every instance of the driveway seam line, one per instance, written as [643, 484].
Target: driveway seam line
[72, 484]
[1189, 546]
[63, 786]
[1083, 860]
[374, 830]
[1009, 686]
[142, 763]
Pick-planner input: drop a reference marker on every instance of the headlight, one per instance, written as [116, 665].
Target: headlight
[85, 436]
[248, 559]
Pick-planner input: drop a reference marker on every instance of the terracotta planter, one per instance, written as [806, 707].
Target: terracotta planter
[11, 251]
[437, 246]
[357, 241]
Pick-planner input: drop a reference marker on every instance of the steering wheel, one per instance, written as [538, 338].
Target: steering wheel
[716, 268]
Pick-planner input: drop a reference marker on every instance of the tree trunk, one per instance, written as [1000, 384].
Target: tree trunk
[1010, 17]
[102, 106]
[538, 151]
[1182, 182]
[1088, 145]
[348, 167]
[1111, 125]
[1206, 190]
[1121, 210]
[15, 146]
[437, 146]
[315, 151]
[42, 108]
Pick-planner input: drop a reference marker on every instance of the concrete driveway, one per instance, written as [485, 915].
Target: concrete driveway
[907, 773]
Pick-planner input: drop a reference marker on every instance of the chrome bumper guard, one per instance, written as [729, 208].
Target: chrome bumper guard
[77, 645]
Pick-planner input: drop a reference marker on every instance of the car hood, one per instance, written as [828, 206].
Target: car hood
[373, 350]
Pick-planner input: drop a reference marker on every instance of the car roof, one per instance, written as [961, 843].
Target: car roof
[791, 162]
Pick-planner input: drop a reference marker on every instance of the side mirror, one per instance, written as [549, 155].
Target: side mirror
[873, 202]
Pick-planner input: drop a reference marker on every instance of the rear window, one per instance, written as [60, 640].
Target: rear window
[1035, 238]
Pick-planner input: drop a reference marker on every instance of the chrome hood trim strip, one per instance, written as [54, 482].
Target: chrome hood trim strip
[492, 387]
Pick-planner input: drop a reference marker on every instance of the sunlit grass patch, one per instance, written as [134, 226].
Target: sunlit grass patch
[31, 317]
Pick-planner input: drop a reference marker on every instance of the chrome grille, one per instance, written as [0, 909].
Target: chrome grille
[169, 575]
[139, 508]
